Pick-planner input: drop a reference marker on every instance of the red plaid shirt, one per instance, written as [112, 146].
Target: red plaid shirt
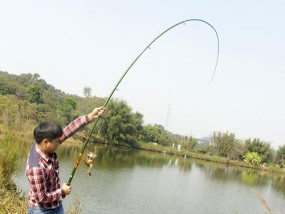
[43, 171]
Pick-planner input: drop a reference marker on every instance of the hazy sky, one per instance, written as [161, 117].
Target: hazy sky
[72, 44]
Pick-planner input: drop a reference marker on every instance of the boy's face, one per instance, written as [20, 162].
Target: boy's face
[51, 146]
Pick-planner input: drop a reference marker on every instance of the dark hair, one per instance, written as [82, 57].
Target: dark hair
[47, 130]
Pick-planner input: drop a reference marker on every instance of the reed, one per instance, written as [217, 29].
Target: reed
[265, 204]
[11, 151]
[9, 158]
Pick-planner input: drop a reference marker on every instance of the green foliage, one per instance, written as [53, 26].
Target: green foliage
[45, 112]
[35, 93]
[156, 134]
[52, 98]
[280, 156]
[187, 142]
[252, 158]
[6, 87]
[87, 91]
[226, 145]
[32, 89]
[260, 147]
[9, 110]
[87, 104]
[27, 97]
[204, 149]
[9, 155]
[120, 125]
[11, 88]
[68, 109]
[12, 201]
[13, 149]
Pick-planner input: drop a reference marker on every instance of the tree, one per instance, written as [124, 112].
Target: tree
[280, 156]
[156, 134]
[226, 145]
[35, 93]
[6, 87]
[87, 91]
[9, 109]
[187, 142]
[260, 147]
[68, 109]
[36, 77]
[120, 125]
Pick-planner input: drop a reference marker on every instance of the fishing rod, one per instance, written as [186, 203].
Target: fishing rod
[122, 77]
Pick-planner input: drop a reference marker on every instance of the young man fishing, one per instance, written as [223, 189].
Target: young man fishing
[42, 168]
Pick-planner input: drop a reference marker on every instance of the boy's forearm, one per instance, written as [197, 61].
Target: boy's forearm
[74, 127]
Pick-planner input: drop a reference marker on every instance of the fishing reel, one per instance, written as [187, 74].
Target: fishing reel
[89, 161]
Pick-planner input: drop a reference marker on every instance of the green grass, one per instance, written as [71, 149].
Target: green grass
[11, 153]
[12, 201]
[14, 148]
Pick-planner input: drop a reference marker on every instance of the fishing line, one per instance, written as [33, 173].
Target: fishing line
[125, 73]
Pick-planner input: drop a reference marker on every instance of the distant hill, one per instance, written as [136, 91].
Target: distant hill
[45, 100]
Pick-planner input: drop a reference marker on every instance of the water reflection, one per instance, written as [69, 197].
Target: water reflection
[117, 158]
[134, 181]
[278, 184]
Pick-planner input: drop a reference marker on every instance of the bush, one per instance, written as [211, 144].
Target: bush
[10, 154]
[9, 158]
[252, 158]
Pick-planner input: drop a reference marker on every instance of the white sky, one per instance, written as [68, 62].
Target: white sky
[72, 44]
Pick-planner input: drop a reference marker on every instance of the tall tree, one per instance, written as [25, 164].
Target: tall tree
[226, 145]
[87, 91]
[280, 156]
[68, 109]
[261, 147]
[157, 134]
[120, 125]
[35, 93]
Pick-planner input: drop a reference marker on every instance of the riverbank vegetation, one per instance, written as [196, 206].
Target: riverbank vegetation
[26, 100]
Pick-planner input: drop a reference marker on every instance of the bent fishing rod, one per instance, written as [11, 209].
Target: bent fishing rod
[125, 73]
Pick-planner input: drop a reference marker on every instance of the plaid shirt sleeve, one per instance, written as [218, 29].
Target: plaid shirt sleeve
[38, 186]
[74, 127]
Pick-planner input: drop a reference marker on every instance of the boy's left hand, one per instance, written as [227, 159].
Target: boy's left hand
[96, 113]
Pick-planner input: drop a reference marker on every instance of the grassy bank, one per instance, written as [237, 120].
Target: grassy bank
[12, 152]
[189, 154]
[14, 147]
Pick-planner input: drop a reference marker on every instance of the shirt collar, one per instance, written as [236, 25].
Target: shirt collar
[44, 156]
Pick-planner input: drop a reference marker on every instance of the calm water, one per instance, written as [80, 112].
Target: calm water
[131, 181]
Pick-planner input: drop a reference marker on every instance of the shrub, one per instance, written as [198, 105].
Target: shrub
[252, 158]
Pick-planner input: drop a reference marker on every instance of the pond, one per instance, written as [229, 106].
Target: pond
[136, 181]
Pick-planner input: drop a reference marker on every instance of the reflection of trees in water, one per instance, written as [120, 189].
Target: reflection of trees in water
[66, 152]
[254, 178]
[115, 158]
[250, 177]
[224, 173]
[278, 184]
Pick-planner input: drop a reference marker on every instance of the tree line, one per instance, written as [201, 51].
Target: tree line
[28, 97]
